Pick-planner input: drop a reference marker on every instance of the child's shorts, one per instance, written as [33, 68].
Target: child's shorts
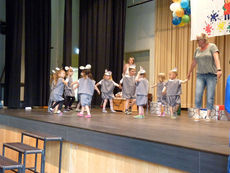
[85, 99]
[162, 100]
[107, 96]
[173, 100]
[141, 100]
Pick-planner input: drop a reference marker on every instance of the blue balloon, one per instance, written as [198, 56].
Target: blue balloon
[187, 11]
[184, 3]
[176, 20]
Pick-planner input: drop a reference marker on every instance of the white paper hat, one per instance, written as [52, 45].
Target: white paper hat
[67, 68]
[174, 70]
[132, 67]
[82, 68]
[53, 71]
[142, 71]
[108, 73]
[88, 67]
[161, 74]
[57, 68]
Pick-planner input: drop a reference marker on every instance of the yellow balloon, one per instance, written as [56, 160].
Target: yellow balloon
[176, 0]
[180, 12]
[181, 24]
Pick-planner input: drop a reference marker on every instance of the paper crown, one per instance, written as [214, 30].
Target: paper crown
[108, 73]
[132, 67]
[142, 71]
[174, 70]
[87, 67]
[67, 68]
[161, 74]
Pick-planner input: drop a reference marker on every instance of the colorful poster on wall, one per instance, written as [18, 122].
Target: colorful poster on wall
[211, 17]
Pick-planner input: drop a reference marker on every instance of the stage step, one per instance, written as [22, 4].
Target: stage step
[7, 164]
[24, 149]
[45, 138]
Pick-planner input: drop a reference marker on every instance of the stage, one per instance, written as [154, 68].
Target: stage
[182, 143]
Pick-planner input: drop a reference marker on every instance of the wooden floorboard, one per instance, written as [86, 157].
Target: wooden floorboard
[210, 136]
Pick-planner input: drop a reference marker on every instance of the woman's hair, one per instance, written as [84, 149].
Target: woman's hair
[202, 36]
[131, 57]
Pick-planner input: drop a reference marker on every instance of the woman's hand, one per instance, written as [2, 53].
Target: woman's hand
[188, 76]
[219, 74]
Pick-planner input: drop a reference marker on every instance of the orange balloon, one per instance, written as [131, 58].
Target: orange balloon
[180, 12]
[176, 0]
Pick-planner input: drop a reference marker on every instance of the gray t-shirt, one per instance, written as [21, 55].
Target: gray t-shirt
[142, 87]
[173, 87]
[205, 59]
[160, 87]
[86, 86]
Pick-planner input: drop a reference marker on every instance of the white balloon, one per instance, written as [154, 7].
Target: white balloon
[174, 6]
[174, 14]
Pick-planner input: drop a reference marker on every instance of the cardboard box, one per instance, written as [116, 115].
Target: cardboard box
[119, 105]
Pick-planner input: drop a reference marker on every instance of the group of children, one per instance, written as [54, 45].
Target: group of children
[134, 90]
[168, 93]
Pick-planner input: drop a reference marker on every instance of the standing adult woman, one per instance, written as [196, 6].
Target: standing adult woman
[206, 57]
[131, 61]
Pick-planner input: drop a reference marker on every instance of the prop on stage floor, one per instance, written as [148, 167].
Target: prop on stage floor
[217, 113]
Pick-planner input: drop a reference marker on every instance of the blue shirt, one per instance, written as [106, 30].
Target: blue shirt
[227, 95]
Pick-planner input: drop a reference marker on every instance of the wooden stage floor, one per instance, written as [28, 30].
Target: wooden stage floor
[210, 136]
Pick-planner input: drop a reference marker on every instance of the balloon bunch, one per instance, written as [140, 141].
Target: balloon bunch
[181, 12]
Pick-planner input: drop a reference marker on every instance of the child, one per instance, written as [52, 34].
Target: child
[86, 86]
[141, 92]
[173, 91]
[69, 91]
[57, 92]
[161, 98]
[52, 79]
[78, 95]
[107, 87]
[129, 89]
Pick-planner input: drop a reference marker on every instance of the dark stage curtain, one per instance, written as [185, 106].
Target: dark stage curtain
[102, 31]
[13, 53]
[37, 51]
[67, 49]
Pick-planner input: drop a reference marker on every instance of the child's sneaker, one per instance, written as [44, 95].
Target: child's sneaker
[207, 118]
[78, 110]
[196, 117]
[126, 111]
[130, 110]
[80, 114]
[104, 111]
[113, 111]
[139, 116]
[162, 114]
[51, 109]
[88, 116]
[174, 116]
